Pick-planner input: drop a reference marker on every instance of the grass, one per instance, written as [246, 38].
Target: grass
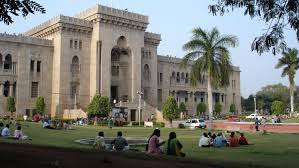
[291, 120]
[273, 150]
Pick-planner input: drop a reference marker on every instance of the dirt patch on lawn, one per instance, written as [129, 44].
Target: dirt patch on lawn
[23, 155]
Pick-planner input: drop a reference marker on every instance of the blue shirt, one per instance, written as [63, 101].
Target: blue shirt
[219, 141]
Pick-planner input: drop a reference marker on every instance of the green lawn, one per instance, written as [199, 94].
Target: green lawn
[273, 150]
[291, 120]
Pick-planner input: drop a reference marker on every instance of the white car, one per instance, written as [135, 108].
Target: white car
[195, 123]
[254, 116]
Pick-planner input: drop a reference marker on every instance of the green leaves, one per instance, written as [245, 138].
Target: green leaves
[218, 107]
[99, 106]
[10, 104]
[277, 107]
[170, 109]
[182, 107]
[16, 7]
[40, 104]
[201, 108]
[232, 108]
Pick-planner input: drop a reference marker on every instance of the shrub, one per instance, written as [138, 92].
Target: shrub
[232, 108]
[135, 123]
[170, 109]
[10, 105]
[40, 105]
[159, 124]
[181, 125]
[218, 108]
[201, 108]
[277, 107]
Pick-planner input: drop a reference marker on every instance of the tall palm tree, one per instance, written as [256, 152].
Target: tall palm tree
[208, 53]
[290, 64]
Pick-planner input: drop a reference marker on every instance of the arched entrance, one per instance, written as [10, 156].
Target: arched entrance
[121, 71]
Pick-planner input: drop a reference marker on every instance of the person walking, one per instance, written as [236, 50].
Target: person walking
[257, 123]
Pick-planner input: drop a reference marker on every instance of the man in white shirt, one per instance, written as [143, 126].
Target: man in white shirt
[5, 132]
[204, 141]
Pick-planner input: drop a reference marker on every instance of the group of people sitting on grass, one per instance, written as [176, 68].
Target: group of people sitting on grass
[117, 144]
[18, 134]
[54, 125]
[209, 140]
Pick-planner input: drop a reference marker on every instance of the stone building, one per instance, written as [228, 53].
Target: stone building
[102, 50]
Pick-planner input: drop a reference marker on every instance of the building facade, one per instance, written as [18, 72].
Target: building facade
[102, 50]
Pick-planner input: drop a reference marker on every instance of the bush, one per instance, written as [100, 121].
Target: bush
[218, 108]
[181, 125]
[201, 108]
[277, 107]
[135, 123]
[159, 124]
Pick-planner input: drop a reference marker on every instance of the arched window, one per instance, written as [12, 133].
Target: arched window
[8, 62]
[187, 78]
[178, 77]
[146, 72]
[122, 42]
[183, 75]
[75, 66]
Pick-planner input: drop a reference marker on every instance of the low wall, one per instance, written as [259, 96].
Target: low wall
[250, 126]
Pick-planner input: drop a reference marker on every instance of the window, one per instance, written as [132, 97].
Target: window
[187, 78]
[186, 99]
[71, 43]
[146, 72]
[38, 66]
[80, 45]
[222, 98]
[161, 78]
[34, 89]
[75, 66]
[115, 71]
[195, 99]
[32, 65]
[76, 44]
[177, 77]
[73, 90]
[8, 62]
[201, 99]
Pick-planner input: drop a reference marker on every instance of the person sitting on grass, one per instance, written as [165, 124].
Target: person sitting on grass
[154, 144]
[19, 134]
[233, 140]
[120, 143]
[5, 132]
[242, 140]
[204, 141]
[219, 141]
[174, 146]
[66, 126]
[1, 128]
[47, 125]
[99, 142]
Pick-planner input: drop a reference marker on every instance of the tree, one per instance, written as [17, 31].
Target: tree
[201, 108]
[290, 64]
[99, 107]
[182, 107]
[232, 108]
[170, 109]
[277, 107]
[278, 15]
[16, 7]
[218, 108]
[297, 108]
[260, 104]
[10, 105]
[209, 55]
[248, 104]
[40, 104]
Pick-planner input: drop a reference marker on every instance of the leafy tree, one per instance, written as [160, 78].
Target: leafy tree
[40, 104]
[232, 108]
[16, 7]
[290, 64]
[248, 104]
[170, 109]
[201, 108]
[278, 15]
[297, 108]
[99, 106]
[105, 106]
[260, 104]
[218, 108]
[182, 107]
[277, 107]
[10, 105]
[208, 53]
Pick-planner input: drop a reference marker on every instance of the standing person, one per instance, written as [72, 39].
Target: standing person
[19, 134]
[233, 140]
[154, 143]
[99, 142]
[110, 123]
[120, 143]
[1, 128]
[174, 146]
[5, 132]
[264, 123]
[257, 123]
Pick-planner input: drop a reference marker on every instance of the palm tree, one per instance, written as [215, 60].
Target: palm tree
[208, 54]
[290, 62]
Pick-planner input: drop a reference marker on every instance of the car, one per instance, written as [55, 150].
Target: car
[254, 116]
[195, 123]
[233, 118]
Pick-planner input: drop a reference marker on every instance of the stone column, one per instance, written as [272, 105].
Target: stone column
[1, 88]
[10, 90]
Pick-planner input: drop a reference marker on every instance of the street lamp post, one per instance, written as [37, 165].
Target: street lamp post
[254, 98]
[139, 106]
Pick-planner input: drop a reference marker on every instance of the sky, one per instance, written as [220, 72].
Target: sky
[174, 20]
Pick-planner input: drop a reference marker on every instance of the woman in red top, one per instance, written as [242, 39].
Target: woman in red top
[243, 140]
[233, 140]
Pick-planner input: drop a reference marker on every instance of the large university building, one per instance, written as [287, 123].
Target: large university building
[105, 51]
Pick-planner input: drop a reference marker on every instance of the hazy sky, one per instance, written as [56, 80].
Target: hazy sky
[174, 20]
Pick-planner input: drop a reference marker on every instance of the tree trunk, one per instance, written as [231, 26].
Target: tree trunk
[292, 97]
[210, 103]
